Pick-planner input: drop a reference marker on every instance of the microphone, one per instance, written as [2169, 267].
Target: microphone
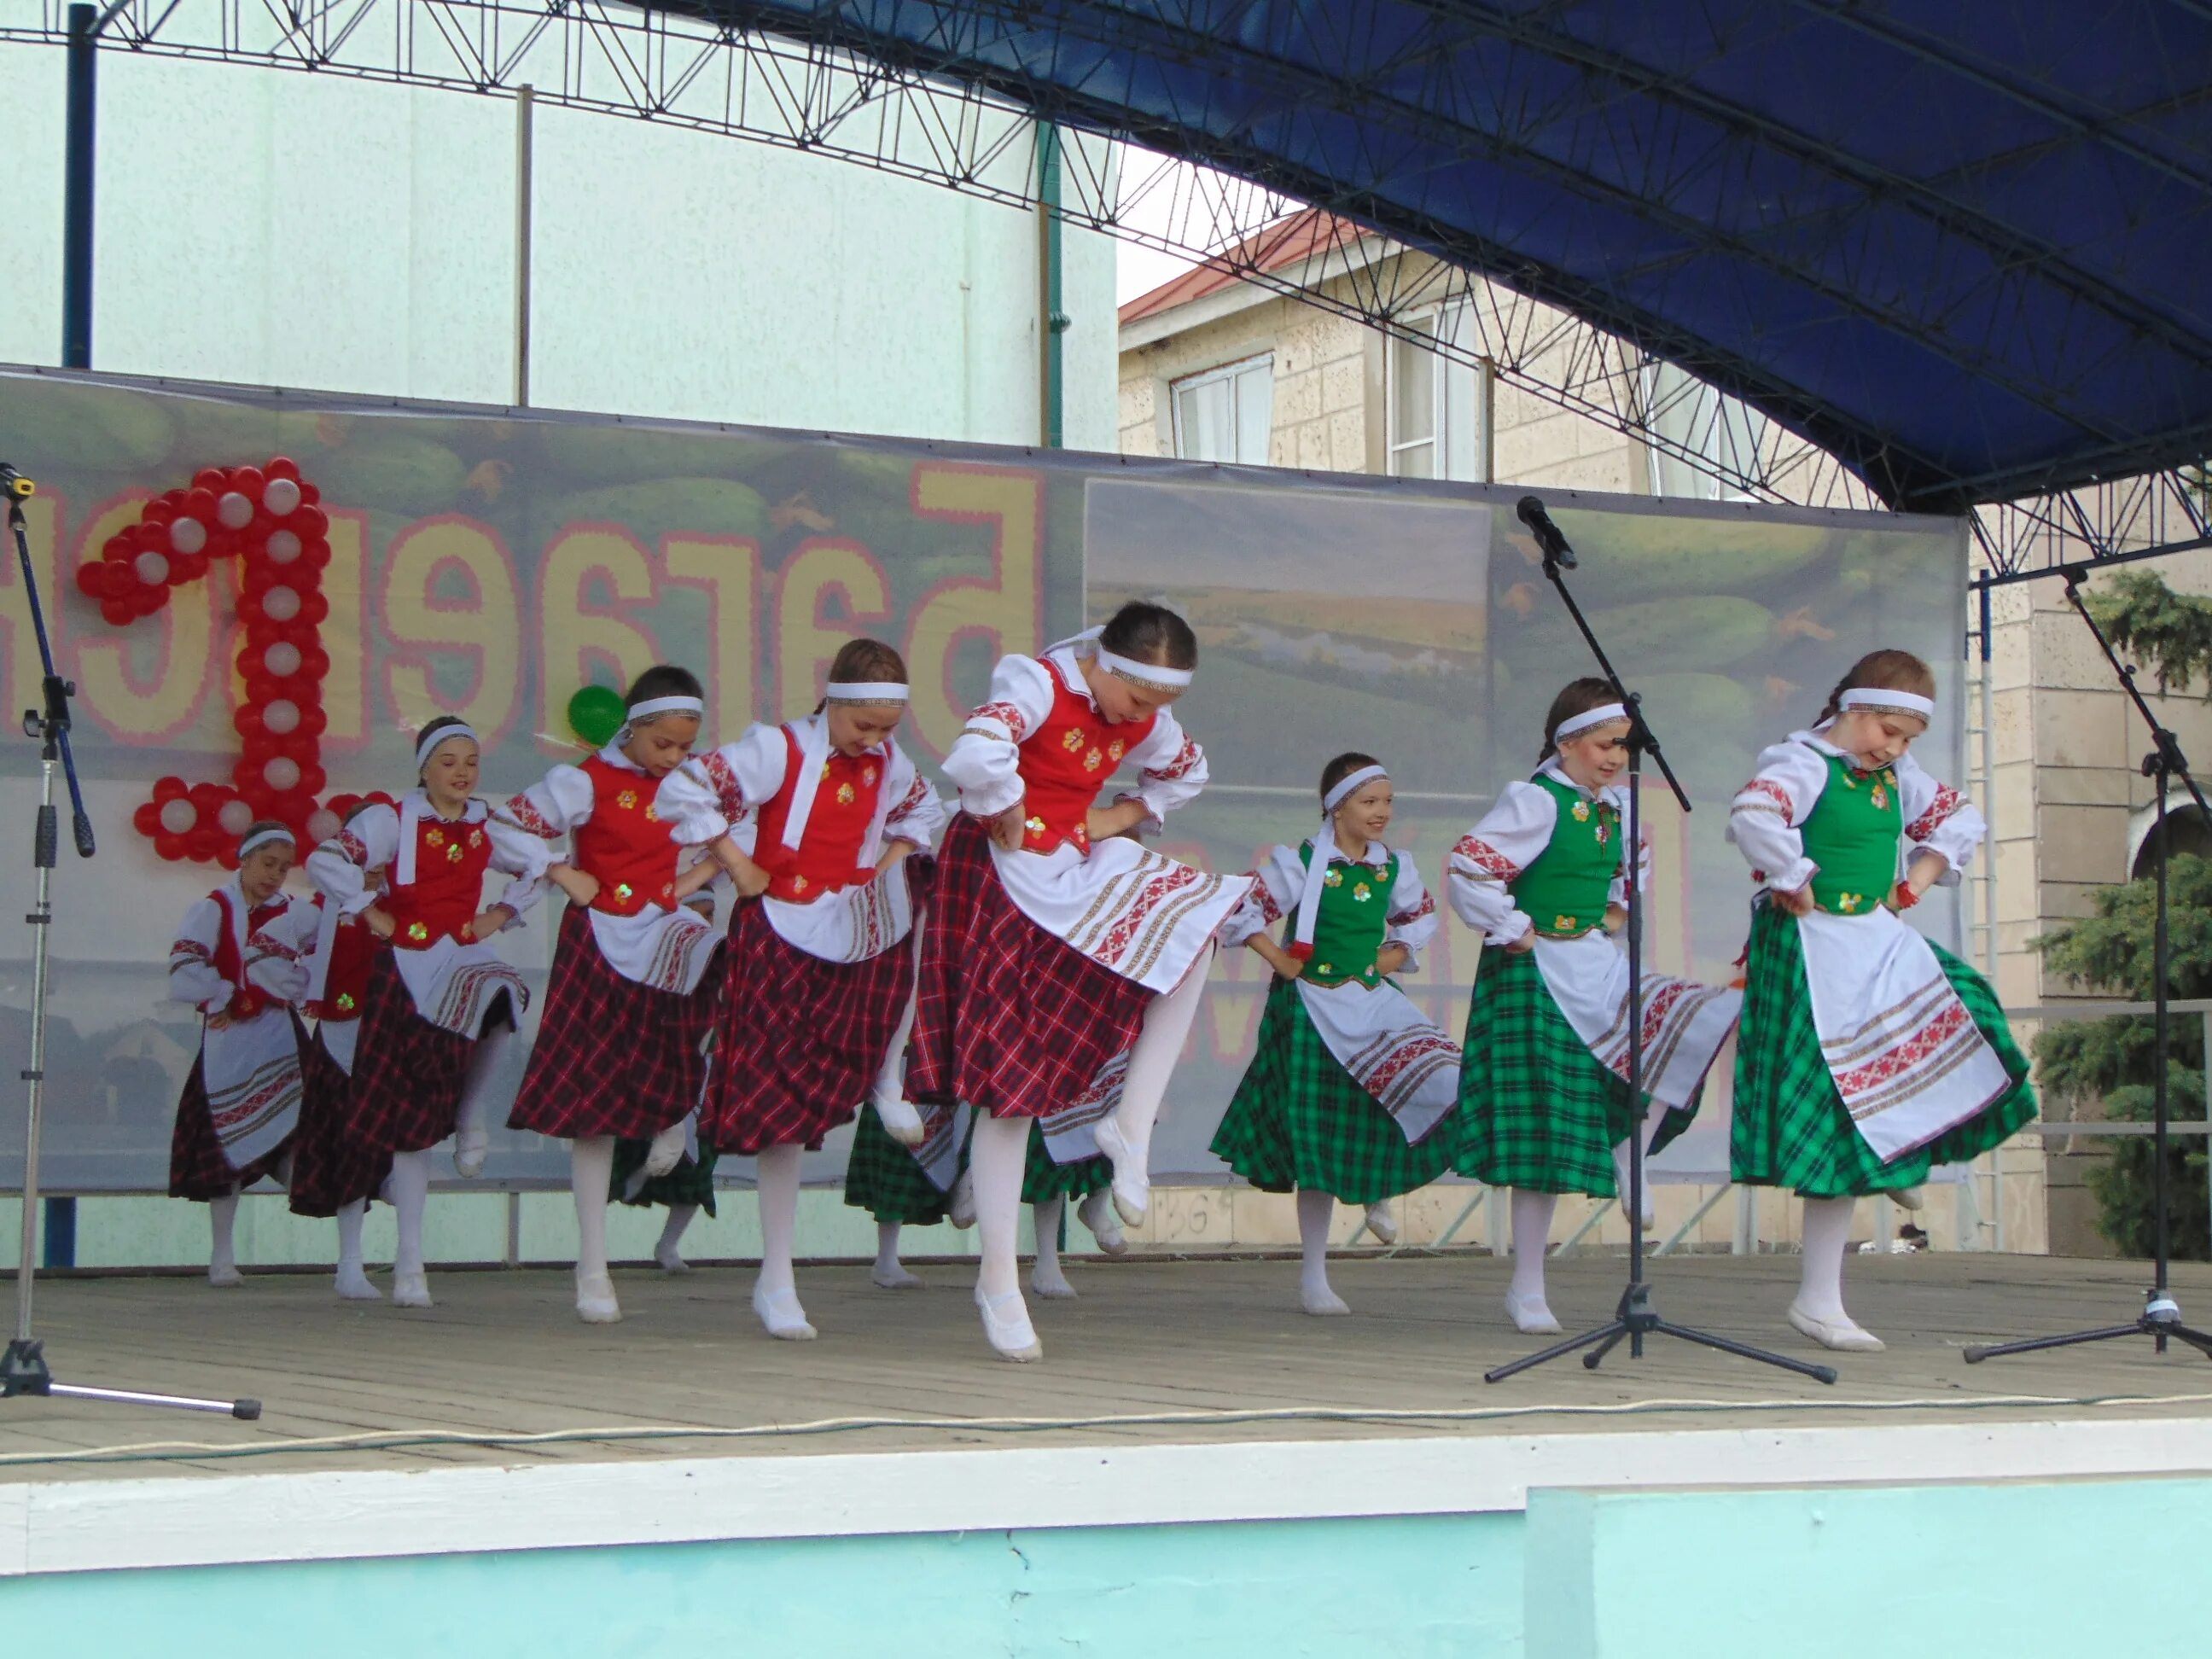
[1553, 545]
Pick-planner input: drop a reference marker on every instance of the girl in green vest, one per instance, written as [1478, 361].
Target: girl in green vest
[1868, 1054]
[1544, 1080]
[1348, 1094]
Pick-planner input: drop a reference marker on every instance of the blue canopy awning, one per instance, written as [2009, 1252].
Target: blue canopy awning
[1966, 248]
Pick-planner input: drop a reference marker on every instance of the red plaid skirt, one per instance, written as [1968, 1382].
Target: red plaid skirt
[1009, 1018]
[798, 1040]
[197, 1169]
[408, 1074]
[330, 1167]
[613, 1057]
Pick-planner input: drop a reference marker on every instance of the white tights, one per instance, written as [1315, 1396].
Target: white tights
[411, 1195]
[994, 1166]
[1532, 1238]
[591, 1171]
[1152, 1058]
[779, 1215]
[1827, 1233]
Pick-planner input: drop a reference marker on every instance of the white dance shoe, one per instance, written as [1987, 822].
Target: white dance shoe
[781, 1316]
[1132, 1182]
[1531, 1315]
[901, 1122]
[224, 1275]
[1383, 1222]
[1096, 1212]
[410, 1289]
[1321, 1302]
[1050, 1282]
[353, 1284]
[1006, 1323]
[665, 1151]
[961, 1211]
[892, 1276]
[470, 1147]
[1842, 1332]
[595, 1299]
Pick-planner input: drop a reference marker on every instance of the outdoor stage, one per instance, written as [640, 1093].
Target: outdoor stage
[955, 1534]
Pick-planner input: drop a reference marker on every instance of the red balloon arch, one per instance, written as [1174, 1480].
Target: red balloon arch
[271, 519]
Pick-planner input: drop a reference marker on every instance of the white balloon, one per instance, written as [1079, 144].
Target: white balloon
[153, 568]
[322, 822]
[236, 817]
[282, 774]
[283, 546]
[280, 604]
[282, 717]
[187, 535]
[282, 659]
[280, 496]
[178, 816]
[234, 510]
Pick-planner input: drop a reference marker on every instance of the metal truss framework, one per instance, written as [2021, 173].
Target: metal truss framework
[823, 97]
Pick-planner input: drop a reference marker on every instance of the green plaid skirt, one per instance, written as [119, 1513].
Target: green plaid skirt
[1536, 1108]
[1299, 1119]
[882, 1177]
[1792, 1128]
[691, 1181]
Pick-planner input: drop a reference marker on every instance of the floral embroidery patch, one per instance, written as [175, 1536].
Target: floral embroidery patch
[1072, 740]
[1581, 812]
[846, 795]
[434, 837]
[627, 801]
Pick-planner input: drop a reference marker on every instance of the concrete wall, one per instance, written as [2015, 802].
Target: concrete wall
[274, 228]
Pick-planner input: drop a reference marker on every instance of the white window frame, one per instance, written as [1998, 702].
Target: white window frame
[1483, 402]
[1714, 424]
[1230, 372]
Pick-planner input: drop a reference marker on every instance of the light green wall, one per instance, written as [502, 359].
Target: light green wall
[279, 228]
[2025, 1569]
[1447, 1588]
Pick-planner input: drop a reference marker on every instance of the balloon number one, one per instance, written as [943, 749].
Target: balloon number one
[269, 519]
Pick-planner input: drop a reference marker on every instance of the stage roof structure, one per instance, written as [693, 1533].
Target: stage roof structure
[1960, 249]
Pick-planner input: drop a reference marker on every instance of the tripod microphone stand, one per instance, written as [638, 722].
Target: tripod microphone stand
[2161, 1317]
[1636, 1316]
[23, 1370]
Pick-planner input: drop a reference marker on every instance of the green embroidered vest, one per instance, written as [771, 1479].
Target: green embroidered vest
[1355, 913]
[1564, 888]
[1852, 834]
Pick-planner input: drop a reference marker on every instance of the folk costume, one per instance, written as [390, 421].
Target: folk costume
[241, 1100]
[620, 1045]
[1868, 1054]
[821, 970]
[1350, 1086]
[439, 1006]
[1544, 1072]
[1059, 979]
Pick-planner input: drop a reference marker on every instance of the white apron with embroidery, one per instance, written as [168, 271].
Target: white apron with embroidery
[1906, 1055]
[1685, 1023]
[250, 1068]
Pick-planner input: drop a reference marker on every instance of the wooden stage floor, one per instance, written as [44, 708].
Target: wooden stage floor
[503, 1354]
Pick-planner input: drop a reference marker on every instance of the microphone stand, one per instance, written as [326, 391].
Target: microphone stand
[2161, 1317]
[1636, 1315]
[23, 1370]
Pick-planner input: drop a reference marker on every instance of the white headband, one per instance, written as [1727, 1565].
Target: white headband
[1143, 673]
[1350, 785]
[865, 691]
[651, 706]
[1603, 715]
[1324, 849]
[1903, 702]
[262, 839]
[430, 742]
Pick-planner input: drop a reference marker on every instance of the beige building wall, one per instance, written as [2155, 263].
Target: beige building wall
[2068, 749]
[1329, 412]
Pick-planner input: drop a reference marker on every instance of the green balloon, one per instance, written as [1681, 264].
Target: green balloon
[595, 714]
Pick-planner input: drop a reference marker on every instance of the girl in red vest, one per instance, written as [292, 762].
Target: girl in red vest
[440, 1005]
[1064, 967]
[335, 1174]
[811, 819]
[236, 959]
[631, 999]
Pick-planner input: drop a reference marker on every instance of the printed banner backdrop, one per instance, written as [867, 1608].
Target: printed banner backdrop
[490, 564]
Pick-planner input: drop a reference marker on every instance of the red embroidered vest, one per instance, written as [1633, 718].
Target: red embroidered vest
[245, 1001]
[1064, 762]
[829, 853]
[347, 976]
[447, 891]
[624, 843]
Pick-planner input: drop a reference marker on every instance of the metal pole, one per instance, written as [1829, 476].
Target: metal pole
[48, 839]
[1989, 788]
[526, 107]
[76, 188]
[1052, 321]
